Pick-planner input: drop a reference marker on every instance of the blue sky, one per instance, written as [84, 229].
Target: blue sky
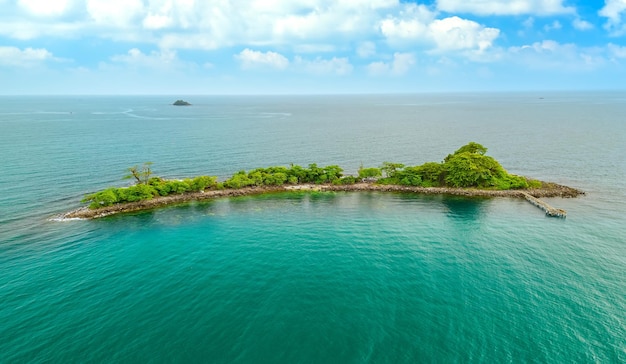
[309, 46]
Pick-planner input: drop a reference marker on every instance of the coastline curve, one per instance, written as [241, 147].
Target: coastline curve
[554, 190]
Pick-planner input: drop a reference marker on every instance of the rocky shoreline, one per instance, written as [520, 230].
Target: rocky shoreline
[551, 190]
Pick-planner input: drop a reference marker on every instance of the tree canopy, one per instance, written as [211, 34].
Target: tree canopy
[140, 174]
[467, 167]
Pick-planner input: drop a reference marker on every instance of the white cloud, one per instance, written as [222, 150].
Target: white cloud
[401, 64]
[410, 24]
[44, 7]
[555, 25]
[366, 49]
[311, 28]
[299, 26]
[581, 24]
[403, 29]
[189, 41]
[210, 24]
[254, 59]
[614, 10]
[616, 51]
[457, 34]
[417, 24]
[13, 56]
[159, 60]
[550, 54]
[316, 19]
[314, 48]
[115, 13]
[337, 66]
[157, 21]
[545, 46]
[505, 7]
[378, 68]
[529, 23]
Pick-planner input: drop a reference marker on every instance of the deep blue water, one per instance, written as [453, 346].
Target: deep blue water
[312, 277]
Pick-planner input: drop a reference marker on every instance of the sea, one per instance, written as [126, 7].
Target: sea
[312, 277]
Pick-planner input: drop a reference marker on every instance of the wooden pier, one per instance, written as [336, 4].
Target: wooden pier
[549, 210]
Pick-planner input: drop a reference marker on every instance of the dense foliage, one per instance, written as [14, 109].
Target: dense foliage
[369, 172]
[148, 187]
[153, 187]
[467, 167]
[278, 176]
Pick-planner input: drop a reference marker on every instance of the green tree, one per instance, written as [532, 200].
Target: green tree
[468, 169]
[314, 173]
[332, 172]
[140, 174]
[275, 179]
[256, 177]
[471, 147]
[369, 172]
[179, 187]
[390, 169]
[299, 173]
[101, 199]
[238, 180]
[200, 183]
[431, 173]
[409, 176]
[136, 193]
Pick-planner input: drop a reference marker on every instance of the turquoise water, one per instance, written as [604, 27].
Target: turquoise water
[312, 277]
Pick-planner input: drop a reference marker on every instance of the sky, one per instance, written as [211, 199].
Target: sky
[185, 47]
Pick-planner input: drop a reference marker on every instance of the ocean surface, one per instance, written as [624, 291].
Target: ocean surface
[312, 277]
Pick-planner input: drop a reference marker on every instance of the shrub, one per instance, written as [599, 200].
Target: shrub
[136, 193]
[432, 174]
[369, 172]
[533, 183]
[201, 183]
[517, 182]
[238, 180]
[298, 173]
[347, 180]
[179, 186]
[275, 179]
[390, 168]
[164, 189]
[388, 181]
[101, 199]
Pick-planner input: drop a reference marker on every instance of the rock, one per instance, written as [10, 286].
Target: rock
[181, 103]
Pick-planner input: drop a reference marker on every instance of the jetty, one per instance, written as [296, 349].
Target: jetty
[549, 210]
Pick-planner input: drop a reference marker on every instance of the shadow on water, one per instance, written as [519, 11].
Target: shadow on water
[466, 208]
[457, 208]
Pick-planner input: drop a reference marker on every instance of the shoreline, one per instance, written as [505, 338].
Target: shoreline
[85, 213]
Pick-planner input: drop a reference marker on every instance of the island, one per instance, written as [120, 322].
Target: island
[181, 103]
[466, 172]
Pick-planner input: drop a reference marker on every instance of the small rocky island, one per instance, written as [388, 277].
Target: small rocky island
[181, 103]
[466, 172]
